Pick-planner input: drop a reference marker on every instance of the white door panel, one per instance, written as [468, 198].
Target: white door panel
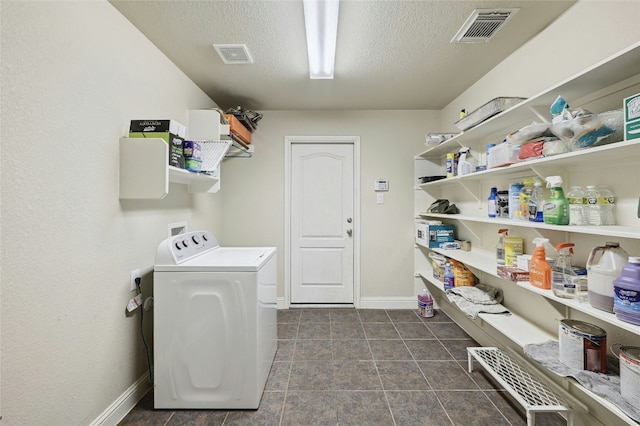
[322, 206]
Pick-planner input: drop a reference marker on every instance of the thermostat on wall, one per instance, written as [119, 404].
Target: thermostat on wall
[381, 185]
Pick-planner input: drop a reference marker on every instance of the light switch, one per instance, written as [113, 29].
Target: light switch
[380, 198]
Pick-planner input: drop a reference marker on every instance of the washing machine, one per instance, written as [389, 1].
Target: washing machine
[215, 323]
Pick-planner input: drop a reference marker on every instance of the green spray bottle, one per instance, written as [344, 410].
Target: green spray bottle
[556, 208]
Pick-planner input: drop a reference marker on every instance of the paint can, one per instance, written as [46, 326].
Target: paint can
[629, 357]
[583, 346]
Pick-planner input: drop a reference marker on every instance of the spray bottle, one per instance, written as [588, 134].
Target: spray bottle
[466, 163]
[556, 207]
[565, 282]
[539, 268]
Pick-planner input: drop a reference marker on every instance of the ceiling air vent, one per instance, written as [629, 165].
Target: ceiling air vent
[482, 25]
[233, 53]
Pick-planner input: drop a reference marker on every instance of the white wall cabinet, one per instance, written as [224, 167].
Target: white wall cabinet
[598, 89]
[145, 172]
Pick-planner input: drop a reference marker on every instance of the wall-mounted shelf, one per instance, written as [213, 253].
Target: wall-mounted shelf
[145, 172]
[484, 261]
[599, 88]
[620, 70]
[617, 231]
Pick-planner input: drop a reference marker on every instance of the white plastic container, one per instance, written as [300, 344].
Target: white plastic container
[604, 265]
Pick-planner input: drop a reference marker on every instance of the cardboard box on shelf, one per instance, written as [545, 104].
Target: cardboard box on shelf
[171, 131]
[432, 235]
[238, 128]
[512, 273]
[632, 117]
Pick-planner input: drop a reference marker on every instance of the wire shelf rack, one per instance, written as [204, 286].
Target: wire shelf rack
[532, 394]
[212, 153]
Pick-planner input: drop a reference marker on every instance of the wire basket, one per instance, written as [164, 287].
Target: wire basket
[213, 153]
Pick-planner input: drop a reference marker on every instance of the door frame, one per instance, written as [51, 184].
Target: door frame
[288, 142]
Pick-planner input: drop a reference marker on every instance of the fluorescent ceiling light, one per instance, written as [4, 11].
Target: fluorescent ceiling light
[321, 23]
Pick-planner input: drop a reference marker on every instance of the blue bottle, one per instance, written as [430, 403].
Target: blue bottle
[492, 205]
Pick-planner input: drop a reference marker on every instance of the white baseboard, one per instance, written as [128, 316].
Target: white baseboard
[374, 303]
[125, 403]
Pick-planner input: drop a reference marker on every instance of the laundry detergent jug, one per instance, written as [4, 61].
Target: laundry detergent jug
[604, 265]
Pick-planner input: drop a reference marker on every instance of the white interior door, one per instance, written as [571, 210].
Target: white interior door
[322, 223]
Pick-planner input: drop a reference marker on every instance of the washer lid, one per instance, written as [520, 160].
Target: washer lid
[224, 259]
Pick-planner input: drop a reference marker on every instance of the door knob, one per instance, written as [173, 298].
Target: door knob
[349, 232]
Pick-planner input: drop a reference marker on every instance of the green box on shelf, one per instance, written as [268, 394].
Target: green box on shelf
[172, 132]
[632, 117]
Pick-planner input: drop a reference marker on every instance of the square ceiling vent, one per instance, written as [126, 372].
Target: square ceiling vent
[482, 25]
[236, 54]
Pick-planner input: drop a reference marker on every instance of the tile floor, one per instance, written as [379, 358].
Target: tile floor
[364, 367]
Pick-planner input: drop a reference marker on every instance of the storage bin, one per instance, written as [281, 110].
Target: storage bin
[238, 128]
[486, 111]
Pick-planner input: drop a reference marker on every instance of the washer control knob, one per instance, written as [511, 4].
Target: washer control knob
[195, 239]
[185, 243]
[178, 246]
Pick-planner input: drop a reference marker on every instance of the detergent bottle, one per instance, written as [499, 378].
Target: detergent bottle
[565, 282]
[425, 304]
[556, 208]
[539, 268]
[604, 265]
[448, 277]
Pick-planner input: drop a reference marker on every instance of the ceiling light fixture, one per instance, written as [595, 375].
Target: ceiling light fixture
[321, 23]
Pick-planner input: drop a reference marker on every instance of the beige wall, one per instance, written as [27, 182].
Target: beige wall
[73, 75]
[587, 33]
[389, 140]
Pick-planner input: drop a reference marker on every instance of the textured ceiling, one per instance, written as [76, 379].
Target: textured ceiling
[390, 54]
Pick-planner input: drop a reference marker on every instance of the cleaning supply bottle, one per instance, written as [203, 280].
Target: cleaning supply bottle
[539, 268]
[425, 304]
[556, 207]
[565, 282]
[500, 246]
[466, 163]
[448, 278]
[492, 205]
[626, 297]
[525, 195]
[450, 164]
[536, 201]
[604, 265]
[576, 198]
[514, 200]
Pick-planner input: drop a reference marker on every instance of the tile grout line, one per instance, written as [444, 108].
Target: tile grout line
[286, 389]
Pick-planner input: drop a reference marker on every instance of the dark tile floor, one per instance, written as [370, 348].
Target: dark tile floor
[364, 367]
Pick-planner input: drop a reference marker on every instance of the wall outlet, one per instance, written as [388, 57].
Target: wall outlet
[132, 284]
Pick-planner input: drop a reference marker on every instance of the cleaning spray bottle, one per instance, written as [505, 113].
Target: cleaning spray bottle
[556, 208]
[466, 163]
[500, 246]
[565, 282]
[539, 268]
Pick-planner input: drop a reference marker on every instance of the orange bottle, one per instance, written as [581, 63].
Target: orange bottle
[539, 268]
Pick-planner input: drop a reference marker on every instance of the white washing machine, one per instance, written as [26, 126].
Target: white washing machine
[214, 327]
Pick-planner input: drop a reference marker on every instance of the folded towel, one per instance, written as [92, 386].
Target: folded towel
[477, 299]
[605, 385]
